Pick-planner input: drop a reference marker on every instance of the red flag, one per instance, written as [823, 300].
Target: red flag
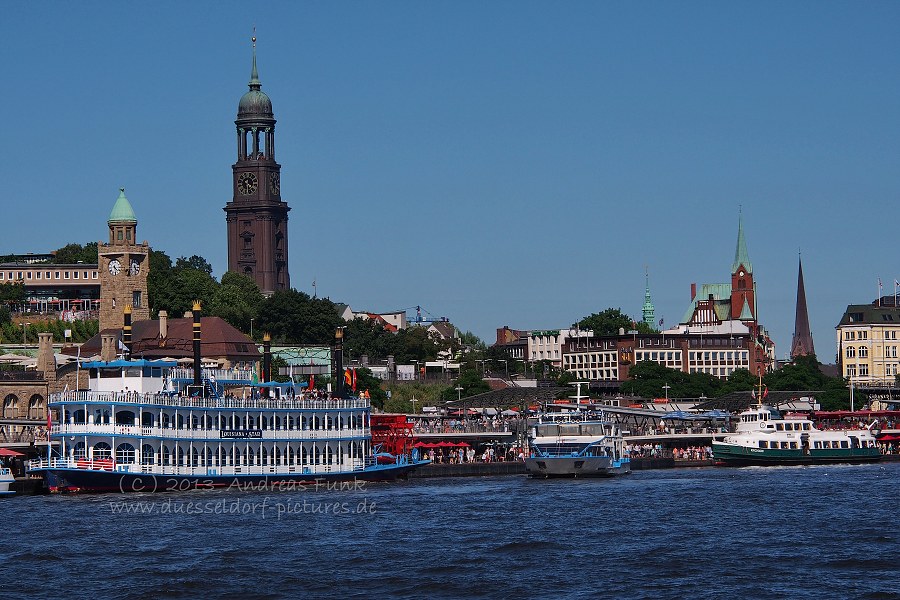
[312, 379]
[348, 379]
[766, 392]
[353, 385]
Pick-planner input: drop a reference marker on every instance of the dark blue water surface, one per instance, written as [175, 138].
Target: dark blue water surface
[789, 532]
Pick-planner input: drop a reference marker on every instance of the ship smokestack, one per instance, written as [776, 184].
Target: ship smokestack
[198, 379]
[338, 375]
[126, 332]
[267, 362]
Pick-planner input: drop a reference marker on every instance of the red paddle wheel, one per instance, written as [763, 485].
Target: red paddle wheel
[393, 432]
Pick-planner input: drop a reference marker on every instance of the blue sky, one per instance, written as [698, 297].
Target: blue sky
[501, 163]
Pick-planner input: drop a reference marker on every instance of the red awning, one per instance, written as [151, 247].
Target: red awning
[889, 437]
[8, 452]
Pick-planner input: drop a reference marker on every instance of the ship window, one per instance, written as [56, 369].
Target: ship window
[763, 444]
[793, 444]
[844, 444]
[79, 451]
[779, 426]
[125, 453]
[784, 445]
[102, 450]
[806, 427]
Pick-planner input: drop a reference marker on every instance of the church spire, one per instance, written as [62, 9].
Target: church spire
[649, 312]
[802, 344]
[254, 75]
[740, 252]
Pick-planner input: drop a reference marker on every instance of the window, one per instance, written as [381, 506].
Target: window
[66, 275]
[864, 370]
[851, 352]
[38, 275]
[74, 274]
[849, 335]
[863, 335]
[28, 274]
[136, 299]
[56, 275]
[863, 352]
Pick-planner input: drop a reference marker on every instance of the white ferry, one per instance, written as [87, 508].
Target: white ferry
[576, 443]
[6, 479]
[764, 437]
[144, 437]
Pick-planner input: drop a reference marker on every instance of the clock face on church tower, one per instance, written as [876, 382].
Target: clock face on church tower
[247, 183]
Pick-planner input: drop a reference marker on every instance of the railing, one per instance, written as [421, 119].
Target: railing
[5, 473]
[297, 403]
[42, 464]
[185, 433]
[216, 374]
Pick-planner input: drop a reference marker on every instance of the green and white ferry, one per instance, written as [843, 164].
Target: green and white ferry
[764, 437]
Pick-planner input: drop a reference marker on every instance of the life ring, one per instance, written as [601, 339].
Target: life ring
[762, 425]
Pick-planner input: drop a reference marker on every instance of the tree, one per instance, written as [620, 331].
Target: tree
[610, 321]
[159, 282]
[237, 300]
[195, 262]
[294, 317]
[72, 254]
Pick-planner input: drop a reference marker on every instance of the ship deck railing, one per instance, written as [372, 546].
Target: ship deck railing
[110, 465]
[219, 375]
[297, 403]
[294, 435]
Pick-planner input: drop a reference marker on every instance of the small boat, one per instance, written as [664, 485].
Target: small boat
[576, 443]
[764, 437]
[6, 479]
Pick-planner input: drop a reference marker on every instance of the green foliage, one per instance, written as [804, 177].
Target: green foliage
[195, 263]
[174, 288]
[72, 254]
[365, 381]
[471, 383]
[402, 395]
[610, 321]
[471, 341]
[5, 315]
[12, 333]
[237, 300]
[12, 293]
[294, 317]
[647, 379]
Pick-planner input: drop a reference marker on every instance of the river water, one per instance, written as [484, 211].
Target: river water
[774, 532]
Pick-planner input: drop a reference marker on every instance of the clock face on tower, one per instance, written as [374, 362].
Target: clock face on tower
[115, 267]
[275, 183]
[247, 183]
[134, 268]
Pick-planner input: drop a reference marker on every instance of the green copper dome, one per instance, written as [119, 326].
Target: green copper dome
[122, 211]
[255, 103]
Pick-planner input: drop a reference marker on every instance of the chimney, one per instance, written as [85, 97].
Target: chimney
[198, 356]
[163, 324]
[126, 332]
[693, 291]
[188, 315]
[107, 347]
[45, 361]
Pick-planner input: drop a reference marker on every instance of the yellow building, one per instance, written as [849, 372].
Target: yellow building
[868, 343]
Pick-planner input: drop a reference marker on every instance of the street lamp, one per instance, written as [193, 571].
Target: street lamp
[416, 374]
[251, 328]
[24, 329]
[667, 387]
[459, 390]
[414, 400]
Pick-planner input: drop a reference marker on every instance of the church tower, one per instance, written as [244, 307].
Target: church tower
[123, 265]
[648, 311]
[743, 290]
[802, 344]
[256, 217]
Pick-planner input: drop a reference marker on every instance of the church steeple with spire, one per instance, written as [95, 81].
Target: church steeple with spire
[743, 289]
[802, 345]
[257, 217]
[649, 312]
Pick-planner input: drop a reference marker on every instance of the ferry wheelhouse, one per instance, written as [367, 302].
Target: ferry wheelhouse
[139, 429]
[764, 437]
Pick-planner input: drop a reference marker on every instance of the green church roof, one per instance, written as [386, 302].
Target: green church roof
[122, 211]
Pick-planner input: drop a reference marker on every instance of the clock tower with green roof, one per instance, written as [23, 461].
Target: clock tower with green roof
[123, 265]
